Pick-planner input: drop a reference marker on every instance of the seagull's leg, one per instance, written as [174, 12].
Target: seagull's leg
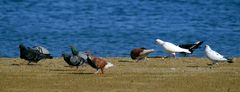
[174, 55]
[185, 54]
[215, 62]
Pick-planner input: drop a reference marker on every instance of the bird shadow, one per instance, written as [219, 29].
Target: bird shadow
[81, 73]
[15, 64]
[126, 61]
[210, 64]
[62, 70]
[193, 66]
[25, 64]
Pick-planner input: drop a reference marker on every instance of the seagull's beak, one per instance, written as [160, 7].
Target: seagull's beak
[156, 42]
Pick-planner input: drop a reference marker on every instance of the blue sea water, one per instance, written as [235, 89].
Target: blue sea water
[111, 28]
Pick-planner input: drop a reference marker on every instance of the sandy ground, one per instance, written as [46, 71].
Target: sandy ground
[155, 75]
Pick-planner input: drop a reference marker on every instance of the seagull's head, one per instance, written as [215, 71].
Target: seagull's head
[158, 41]
[207, 47]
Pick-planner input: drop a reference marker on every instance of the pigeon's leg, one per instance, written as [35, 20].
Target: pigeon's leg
[143, 59]
[140, 59]
[29, 62]
[97, 71]
[77, 67]
[102, 72]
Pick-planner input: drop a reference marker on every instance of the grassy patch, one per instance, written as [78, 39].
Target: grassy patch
[155, 75]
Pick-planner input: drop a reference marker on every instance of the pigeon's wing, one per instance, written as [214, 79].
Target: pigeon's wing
[33, 55]
[83, 56]
[41, 49]
[215, 55]
[66, 58]
[75, 60]
[173, 48]
[92, 63]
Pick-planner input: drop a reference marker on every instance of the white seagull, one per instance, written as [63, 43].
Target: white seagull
[171, 48]
[214, 56]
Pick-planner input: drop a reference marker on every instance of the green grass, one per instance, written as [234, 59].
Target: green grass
[155, 75]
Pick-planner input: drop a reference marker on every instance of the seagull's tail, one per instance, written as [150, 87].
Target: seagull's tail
[187, 51]
[108, 65]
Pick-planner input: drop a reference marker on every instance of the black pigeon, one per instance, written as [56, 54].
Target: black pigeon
[191, 47]
[32, 55]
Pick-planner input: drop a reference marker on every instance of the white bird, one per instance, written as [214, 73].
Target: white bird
[171, 48]
[214, 56]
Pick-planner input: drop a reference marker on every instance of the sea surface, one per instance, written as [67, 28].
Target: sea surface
[111, 28]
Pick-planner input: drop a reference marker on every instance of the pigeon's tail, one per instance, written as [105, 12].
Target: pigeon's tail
[48, 56]
[197, 45]
[148, 51]
[108, 65]
[230, 60]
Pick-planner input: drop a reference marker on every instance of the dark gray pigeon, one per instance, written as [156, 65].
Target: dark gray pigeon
[75, 52]
[32, 55]
[76, 59]
[73, 60]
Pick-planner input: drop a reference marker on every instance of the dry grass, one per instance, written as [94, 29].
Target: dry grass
[156, 75]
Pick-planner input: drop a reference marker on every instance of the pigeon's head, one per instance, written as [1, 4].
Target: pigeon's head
[64, 55]
[89, 55]
[74, 50]
[158, 41]
[21, 46]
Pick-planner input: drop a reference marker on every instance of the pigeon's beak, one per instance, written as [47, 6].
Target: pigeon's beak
[71, 46]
